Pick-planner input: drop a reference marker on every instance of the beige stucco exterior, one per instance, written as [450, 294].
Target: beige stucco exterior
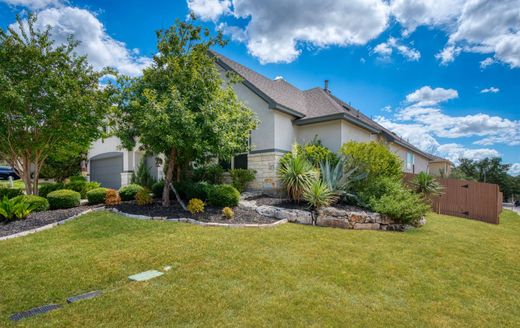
[329, 133]
[440, 168]
[420, 164]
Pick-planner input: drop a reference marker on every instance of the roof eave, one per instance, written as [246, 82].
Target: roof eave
[428, 156]
[338, 116]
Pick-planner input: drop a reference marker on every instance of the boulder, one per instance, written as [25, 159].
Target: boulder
[332, 221]
[366, 226]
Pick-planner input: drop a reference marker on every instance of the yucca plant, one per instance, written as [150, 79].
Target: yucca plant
[340, 176]
[296, 175]
[427, 185]
[318, 195]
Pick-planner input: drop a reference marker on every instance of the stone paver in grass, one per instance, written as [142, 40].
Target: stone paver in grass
[34, 311]
[147, 275]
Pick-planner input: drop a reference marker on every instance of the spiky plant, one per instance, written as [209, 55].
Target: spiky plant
[318, 195]
[340, 176]
[296, 175]
[427, 185]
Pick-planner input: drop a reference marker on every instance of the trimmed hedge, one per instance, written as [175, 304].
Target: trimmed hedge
[223, 196]
[199, 190]
[63, 198]
[38, 203]
[45, 189]
[97, 196]
[128, 192]
[10, 192]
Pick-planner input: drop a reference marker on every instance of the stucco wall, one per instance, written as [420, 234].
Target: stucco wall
[328, 132]
[284, 131]
[421, 162]
[437, 167]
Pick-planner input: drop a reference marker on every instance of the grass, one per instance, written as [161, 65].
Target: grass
[16, 184]
[451, 273]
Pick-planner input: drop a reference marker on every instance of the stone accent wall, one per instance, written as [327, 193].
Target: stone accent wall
[266, 166]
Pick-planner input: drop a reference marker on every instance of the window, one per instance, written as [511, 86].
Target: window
[410, 162]
[240, 161]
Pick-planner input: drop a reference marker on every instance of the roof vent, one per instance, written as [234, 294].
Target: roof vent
[326, 86]
[279, 77]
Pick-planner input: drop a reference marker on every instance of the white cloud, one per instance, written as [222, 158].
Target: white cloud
[448, 54]
[487, 62]
[515, 169]
[101, 49]
[276, 30]
[387, 109]
[490, 90]
[34, 4]
[385, 49]
[209, 9]
[426, 96]
[454, 152]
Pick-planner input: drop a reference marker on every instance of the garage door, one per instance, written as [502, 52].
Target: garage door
[107, 170]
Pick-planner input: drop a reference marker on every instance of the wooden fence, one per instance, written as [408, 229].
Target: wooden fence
[468, 199]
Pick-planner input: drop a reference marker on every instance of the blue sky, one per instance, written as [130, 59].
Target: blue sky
[444, 74]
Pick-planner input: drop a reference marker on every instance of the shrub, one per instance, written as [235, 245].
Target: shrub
[241, 178]
[10, 192]
[157, 188]
[63, 198]
[402, 205]
[37, 203]
[198, 190]
[112, 197]
[142, 175]
[195, 206]
[375, 159]
[319, 195]
[228, 213]
[340, 177]
[97, 196]
[45, 189]
[143, 197]
[314, 152]
[128, 192]
[209, 173]
[296, 175]
[425, 184]
[223, 195]
[181, 187]
[80, 185]
[15, 208]
[77, 178]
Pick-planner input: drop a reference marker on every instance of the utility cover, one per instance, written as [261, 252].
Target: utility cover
[35, 311]
[85, 296]
[147, 275]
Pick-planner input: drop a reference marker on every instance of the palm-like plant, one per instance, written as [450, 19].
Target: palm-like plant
[318, 195]
[15, 208]
[340, 176]
[426, 185]
[296, 175]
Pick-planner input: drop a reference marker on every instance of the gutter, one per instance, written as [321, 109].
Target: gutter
[338, 116]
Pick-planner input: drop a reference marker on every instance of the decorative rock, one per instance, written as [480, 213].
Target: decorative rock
[247, 205]
[332, 211]
[332, 221]
[302, 217]
[357, 217]
[366, 226]
[421, 222]
[265, 210]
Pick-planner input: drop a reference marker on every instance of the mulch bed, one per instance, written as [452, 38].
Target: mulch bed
[40, 219]
[211, 214]
[286, 203]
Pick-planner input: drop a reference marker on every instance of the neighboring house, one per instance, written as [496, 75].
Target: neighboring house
[287, 115]
[440, 167]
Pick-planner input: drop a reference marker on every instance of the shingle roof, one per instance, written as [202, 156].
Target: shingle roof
[308, 106]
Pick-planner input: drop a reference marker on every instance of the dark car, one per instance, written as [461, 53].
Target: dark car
[517, 203]
[6, 172]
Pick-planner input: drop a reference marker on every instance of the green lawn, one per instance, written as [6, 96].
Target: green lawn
[451, 273]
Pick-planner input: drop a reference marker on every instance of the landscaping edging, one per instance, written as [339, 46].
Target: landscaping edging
[51, 225]
[201, 223]
[328, 217]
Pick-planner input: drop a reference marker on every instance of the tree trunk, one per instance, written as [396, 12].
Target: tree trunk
[170, 159]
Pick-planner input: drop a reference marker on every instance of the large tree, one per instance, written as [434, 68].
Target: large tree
[50, 99]
[181, 107]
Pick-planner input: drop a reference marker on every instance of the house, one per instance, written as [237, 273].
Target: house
[440, 167]
[287, 115]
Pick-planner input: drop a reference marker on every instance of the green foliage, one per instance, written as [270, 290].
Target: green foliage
[143, 197]
[208, 173]
[340, 177]
[228, 213]
[157, 188]
[45, 189]
[63, 198]
[195, 206]
[60, 166]
[425, 184]
[128, 192]
[314, 152]
[50, 99]
[14, 209]
[402, 205]
[318, 195]
[77, 178]
[241, 178]
[296, 175]
[180, 106]
[373, 158]
[223, 196]
[37, 203]
[198, 190]
[143, 176]
[97, 196]
[79, 184]
[10, 192]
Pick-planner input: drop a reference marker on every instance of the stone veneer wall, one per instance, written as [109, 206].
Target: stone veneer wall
[266, 167]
